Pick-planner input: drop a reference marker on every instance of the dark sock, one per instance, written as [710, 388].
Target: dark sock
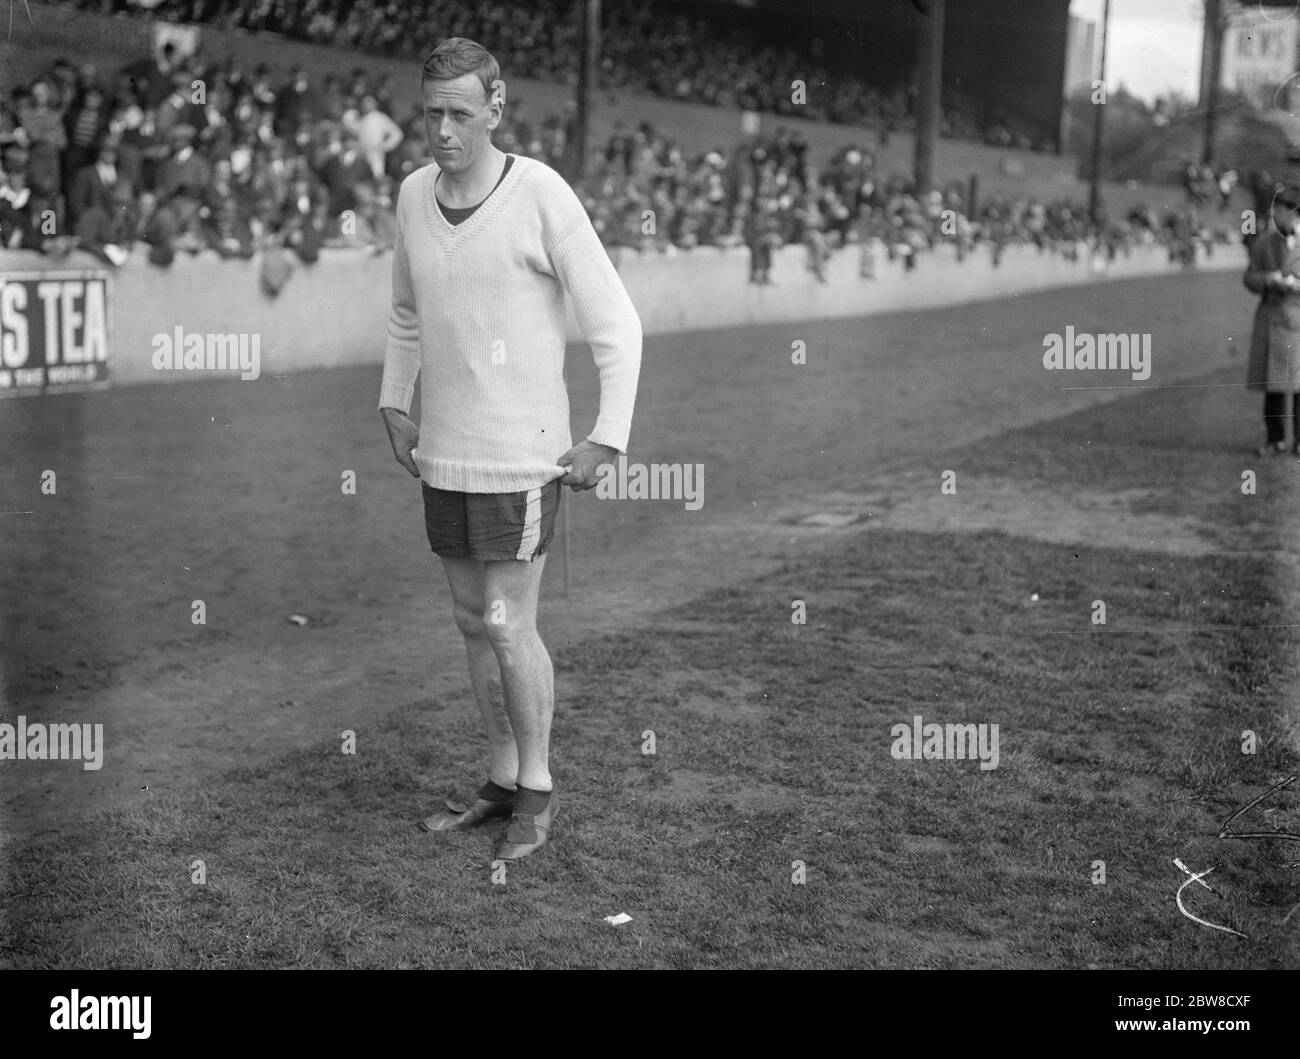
[1275, 417]
[493, 792]
[531, 801]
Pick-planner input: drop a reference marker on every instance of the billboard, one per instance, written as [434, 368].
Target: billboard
[54, 331]
[1259, 54]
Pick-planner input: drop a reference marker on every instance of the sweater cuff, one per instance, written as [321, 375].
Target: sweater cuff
[395, 395]
[611, 432]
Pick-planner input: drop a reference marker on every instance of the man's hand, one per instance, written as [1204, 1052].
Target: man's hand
[581, 463]
[404, 436]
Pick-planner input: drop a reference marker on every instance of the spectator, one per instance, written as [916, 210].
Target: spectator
[85, 124]
[11, 130]
[224, 211]
[93, 185]
[1227, 181]
[1274, 274]
[413, 152]
[177, 109]
[372, 225]
[151, 78]
[343, 173]
[126, 127]
[185, 168]
[814, 239]
[19, 228]
[762, 237]
[63, 81]
[377, 134]
[296, 104]
[302, 227]
[105, 229]
[42, 121]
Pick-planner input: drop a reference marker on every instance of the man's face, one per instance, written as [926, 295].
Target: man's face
[459, 117]
[1285, 217]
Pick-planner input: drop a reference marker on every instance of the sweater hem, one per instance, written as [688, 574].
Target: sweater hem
[456, 477]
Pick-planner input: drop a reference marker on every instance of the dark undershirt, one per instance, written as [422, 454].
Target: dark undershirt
[456, 214]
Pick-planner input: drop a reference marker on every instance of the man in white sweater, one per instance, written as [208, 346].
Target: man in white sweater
[487, 246]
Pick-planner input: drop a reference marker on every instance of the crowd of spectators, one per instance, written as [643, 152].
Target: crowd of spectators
[247, 160]
[256, 160]
[696, 56]
[1206, 186]
[643, 193]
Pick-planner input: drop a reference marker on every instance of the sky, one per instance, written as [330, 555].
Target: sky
[1155, 45]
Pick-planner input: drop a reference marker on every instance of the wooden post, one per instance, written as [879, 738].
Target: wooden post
[929, 85]
[1215, 24]
[588, 69]
[564, 542]
[1099, 125]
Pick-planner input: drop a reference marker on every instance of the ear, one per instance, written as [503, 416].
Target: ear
[497, 101]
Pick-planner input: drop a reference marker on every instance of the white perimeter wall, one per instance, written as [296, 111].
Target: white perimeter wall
[334, 312]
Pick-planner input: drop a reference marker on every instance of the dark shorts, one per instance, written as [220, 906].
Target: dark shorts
[491, 526]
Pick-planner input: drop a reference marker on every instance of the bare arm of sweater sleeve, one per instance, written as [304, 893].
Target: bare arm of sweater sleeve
[402, 351]
[609, 322]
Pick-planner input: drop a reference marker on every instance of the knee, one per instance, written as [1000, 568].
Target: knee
[504, 631]
[469, 620]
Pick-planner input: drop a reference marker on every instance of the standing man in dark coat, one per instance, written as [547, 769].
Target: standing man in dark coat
[1274, 274]
[92, 186]
[296, 103]
[342, 173]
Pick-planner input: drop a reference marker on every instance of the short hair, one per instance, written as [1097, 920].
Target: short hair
[457, 56]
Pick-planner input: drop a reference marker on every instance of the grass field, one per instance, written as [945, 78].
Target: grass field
[1119, 743]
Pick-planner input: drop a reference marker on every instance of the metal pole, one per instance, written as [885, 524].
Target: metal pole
[1099, 125]
[929, 73]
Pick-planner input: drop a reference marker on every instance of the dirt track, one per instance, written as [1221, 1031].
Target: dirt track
[229, 493]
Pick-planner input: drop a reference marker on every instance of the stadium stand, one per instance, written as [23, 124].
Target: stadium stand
[698, 55]
[275, 160]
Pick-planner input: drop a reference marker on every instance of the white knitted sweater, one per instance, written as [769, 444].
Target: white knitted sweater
[479, 307]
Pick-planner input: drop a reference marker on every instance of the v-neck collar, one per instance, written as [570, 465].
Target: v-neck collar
[454, 234]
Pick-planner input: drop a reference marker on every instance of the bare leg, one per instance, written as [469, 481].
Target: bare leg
[465, 576]
[509, 613]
